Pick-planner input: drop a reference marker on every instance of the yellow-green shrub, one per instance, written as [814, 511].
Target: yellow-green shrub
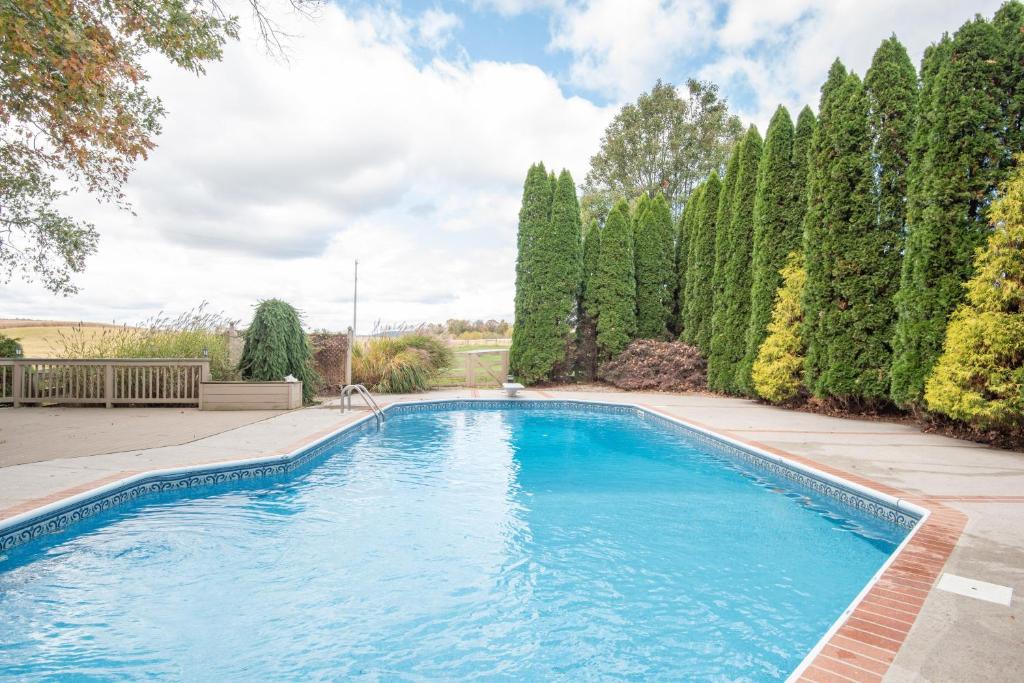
[979, 378]
[778, 370]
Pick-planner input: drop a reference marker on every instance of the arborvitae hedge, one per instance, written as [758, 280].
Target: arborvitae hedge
[965, 119]
[778, 370]
[276, 346]
[615, 285]
[654, 269]
[979, 377]
[700, 269]
[683, 240]
[586, 329]
[732, 308]
[776, 234]
[544, 330]
[534, 218]
[816, 260]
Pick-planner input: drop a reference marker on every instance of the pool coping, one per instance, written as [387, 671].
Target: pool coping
[860, 645]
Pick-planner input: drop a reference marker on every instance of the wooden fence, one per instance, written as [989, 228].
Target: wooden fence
[484, 368]
[108, 382]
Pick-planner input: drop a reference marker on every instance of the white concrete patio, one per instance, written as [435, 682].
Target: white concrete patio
[46, 454]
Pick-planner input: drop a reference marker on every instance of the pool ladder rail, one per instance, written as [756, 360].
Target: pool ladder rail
[346, 398]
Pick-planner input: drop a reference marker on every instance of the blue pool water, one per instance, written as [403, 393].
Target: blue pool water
[478, 543]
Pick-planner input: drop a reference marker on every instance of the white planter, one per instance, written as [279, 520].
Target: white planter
[250, 395]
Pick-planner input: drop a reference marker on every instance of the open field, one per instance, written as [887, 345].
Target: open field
[44, 341]
[479, 344]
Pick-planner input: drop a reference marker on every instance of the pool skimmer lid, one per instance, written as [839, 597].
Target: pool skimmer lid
[973, 588]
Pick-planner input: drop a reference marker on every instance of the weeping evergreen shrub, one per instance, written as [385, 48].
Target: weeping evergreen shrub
[276, 346]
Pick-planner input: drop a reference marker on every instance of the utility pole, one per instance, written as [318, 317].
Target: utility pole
[352, 330]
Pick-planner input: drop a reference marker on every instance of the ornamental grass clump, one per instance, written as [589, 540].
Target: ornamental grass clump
[979, 378]
[400, 365]
[276, 346]
[197, 333]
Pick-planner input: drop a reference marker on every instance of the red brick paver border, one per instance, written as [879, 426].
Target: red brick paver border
[35, 503]
[866, 643]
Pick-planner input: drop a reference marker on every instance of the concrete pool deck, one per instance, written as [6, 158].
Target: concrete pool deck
[926, 633]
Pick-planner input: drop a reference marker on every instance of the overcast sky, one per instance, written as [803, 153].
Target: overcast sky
[399, 133]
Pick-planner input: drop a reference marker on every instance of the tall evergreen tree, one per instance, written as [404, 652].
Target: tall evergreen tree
[1009, 23]
[855, 326]
[723, 219]
[553, 179]
[534, 213]
[700, 270]
[655, 278]
[615, 285]
[816, 260]
[964, 122]
[776, 234]
[732, 308]
[891, 88]
[548, 277]
[586, 329]
[684, 238]
[802, 139]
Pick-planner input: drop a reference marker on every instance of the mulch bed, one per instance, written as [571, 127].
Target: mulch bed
[649, 365]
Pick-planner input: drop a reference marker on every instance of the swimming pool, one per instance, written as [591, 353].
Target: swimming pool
[463, 540]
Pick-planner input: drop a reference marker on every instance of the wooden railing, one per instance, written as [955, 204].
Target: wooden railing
[142, 381]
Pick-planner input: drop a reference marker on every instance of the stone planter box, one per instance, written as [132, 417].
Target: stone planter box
[250, 395]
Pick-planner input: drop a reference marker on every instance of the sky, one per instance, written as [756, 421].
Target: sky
[399, 133]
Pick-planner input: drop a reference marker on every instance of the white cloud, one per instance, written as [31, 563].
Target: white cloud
[514, 7]
[786, 60]
[776, 52]
[271, 177]
[619, 48]
[435, 27]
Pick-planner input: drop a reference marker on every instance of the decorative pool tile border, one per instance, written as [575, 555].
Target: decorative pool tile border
[859, 498]
[59, 516]
[63, 514]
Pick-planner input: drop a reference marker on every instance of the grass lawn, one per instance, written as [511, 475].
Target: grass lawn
[488, 367]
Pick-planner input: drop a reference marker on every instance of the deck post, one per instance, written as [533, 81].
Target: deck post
[18, 382]
[108, 384]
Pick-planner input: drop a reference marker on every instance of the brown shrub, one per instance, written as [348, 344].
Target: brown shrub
[329, 351]
[647, 364]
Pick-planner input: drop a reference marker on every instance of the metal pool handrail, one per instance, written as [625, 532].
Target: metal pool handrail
[346, 394]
